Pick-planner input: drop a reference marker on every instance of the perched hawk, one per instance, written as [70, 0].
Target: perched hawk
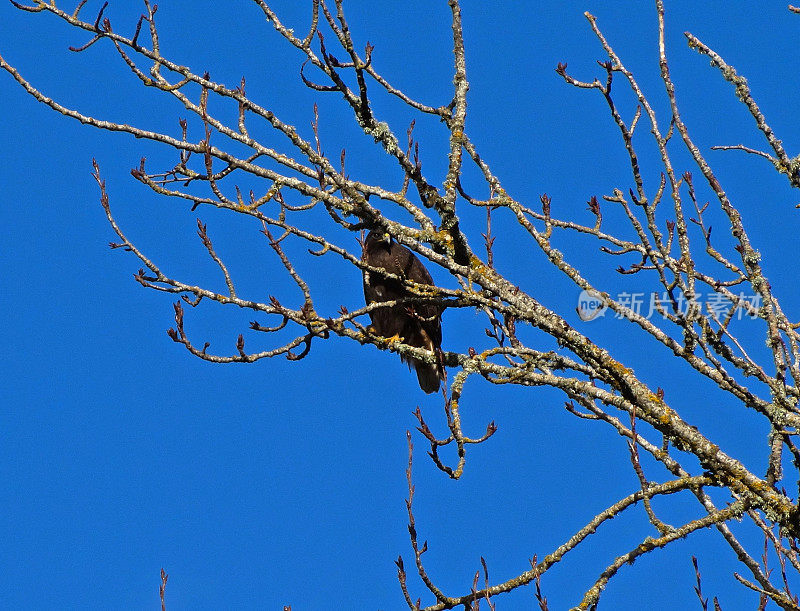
[416, 324]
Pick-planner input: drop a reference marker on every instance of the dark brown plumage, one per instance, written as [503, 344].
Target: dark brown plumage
[418, 324]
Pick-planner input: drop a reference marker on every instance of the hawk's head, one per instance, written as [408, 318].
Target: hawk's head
[377, 238]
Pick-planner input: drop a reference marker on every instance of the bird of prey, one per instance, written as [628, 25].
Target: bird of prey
[415, 324]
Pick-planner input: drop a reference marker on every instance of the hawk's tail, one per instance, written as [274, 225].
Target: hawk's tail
[430, 376]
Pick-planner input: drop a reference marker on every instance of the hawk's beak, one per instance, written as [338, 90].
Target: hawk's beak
[387, 238]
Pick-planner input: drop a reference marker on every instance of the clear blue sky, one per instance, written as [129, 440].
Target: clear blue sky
[277, 483]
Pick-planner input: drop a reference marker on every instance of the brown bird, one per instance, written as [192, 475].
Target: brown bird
[415, 324]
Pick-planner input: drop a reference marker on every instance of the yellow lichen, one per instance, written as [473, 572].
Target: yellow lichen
[620, 368]
[444, 236]
[477, 265]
